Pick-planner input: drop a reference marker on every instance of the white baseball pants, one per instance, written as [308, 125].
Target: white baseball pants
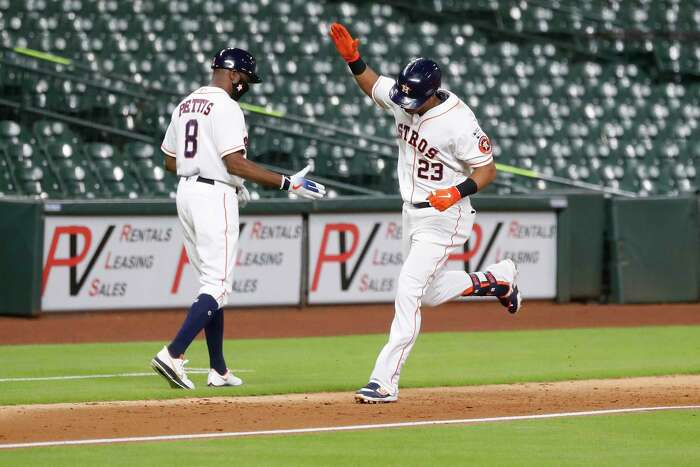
[429, 237]
[209, 218]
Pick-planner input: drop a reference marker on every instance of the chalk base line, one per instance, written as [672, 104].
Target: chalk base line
[235, 434]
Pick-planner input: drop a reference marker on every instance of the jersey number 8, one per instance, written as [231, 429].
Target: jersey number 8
[191, 128]
[430, 170]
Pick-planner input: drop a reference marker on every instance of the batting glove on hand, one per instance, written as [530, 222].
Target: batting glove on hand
[243, 196]
[301, 186]
[444, 198]
[344, 43]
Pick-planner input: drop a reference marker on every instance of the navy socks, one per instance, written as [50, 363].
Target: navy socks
[488, 286]
[214, 331]
[204, 314]
[201, 313]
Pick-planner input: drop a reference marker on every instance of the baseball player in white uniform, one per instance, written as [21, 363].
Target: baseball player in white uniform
[205, 144]
[444, 156]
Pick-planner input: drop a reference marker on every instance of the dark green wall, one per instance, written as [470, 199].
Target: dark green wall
[21, 257]
[580, 248]
[655, 250]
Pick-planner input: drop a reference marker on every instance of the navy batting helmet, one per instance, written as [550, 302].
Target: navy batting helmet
[419, 80]
[236, 60]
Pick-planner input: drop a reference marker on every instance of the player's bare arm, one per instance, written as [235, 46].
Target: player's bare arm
[170, 163]
[366, 80]
[483, 176]
[348, 49]
[480, 178]
[237, 164]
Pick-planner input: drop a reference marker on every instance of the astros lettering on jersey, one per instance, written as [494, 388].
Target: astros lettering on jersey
[437, 149]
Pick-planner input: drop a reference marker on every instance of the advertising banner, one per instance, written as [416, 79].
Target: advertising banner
[115, 262]
[356, 258]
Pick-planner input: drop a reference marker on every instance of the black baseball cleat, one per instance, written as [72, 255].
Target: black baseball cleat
[513, 301]
[507, 271]
[373, 393]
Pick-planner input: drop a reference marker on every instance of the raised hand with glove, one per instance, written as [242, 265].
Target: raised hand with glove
[344, 43]
[301, 186]
[348, 49]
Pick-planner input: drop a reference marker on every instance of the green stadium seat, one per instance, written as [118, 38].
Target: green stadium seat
[101, 152]
[38, 181]
[31, 178]
[157, 181]
[77, 172]
[8, 181]
[136, 151]
[26, 154]
[12, 132]
[47, 131]
[119, 182]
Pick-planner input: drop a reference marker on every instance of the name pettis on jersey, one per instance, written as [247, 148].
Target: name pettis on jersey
[412, 139]
[202, 106]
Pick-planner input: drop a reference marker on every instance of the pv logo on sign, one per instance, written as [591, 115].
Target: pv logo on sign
[344, 254]
[74, 232]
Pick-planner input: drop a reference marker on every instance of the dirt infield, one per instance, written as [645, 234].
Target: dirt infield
[120, 326]
[236, 414]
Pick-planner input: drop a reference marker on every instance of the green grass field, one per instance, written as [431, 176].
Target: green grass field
[646, 439]
[279, 366]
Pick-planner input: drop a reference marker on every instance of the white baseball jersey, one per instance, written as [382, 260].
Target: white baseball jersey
[206, 126]
[437, 149]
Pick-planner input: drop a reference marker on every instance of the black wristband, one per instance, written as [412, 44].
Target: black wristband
[286, 181]
[358, 66]
[467, 187]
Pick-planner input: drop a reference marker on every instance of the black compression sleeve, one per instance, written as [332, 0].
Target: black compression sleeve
[467, 187]
[357, 67]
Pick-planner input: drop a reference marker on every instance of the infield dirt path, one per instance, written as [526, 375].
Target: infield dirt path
[234, 414]
[336, 320]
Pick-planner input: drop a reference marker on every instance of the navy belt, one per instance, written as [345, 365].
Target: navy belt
[422, 205]
[199, 179]
[208, 181]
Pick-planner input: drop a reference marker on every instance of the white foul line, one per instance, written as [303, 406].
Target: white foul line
[115, 375]
[233, 434]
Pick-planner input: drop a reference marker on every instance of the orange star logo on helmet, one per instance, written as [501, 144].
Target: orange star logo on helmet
[405, 88]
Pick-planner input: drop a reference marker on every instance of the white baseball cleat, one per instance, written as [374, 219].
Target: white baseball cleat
[172, 369]
[229, 379]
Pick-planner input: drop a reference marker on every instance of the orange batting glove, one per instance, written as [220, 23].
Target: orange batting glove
[444, 198]
[344, 43]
